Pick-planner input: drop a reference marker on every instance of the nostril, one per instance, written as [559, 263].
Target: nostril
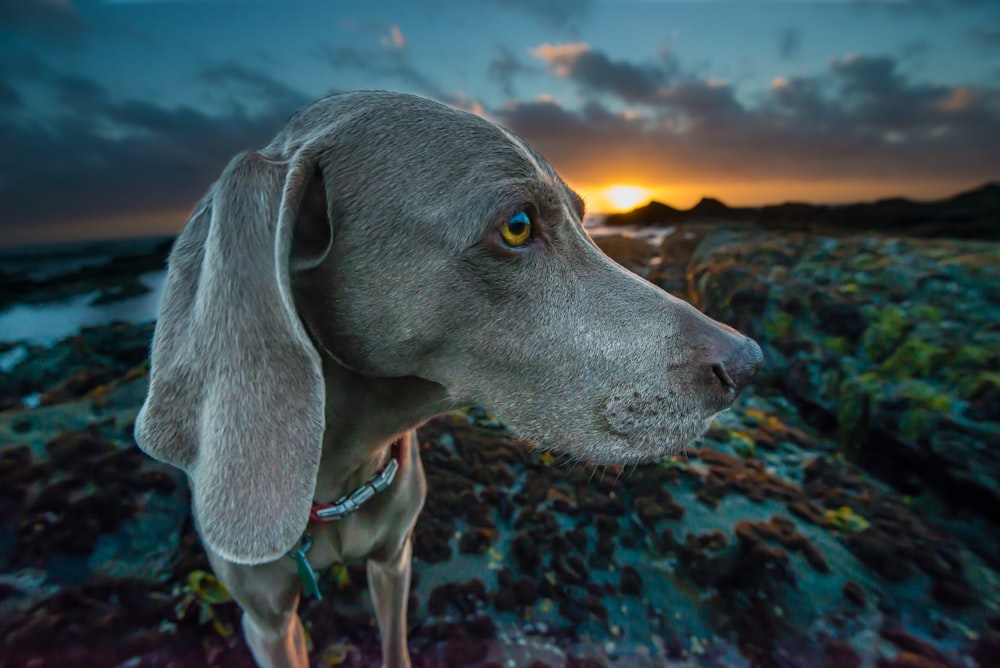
[723, 376]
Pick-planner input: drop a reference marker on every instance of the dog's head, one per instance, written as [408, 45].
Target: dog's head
[411, 239]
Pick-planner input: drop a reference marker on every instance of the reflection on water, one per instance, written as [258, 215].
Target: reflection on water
[47, 323]
[652, 233]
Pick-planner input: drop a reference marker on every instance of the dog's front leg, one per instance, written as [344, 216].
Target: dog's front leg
[269, 596]
[389, 584]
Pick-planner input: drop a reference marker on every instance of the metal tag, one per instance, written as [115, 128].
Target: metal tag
[306, 573]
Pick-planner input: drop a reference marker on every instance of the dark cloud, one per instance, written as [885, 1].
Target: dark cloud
[915, 49]
[78, 171]
[49, 20]
[596, 72]
[389, 63]
[986, 36]
[551, 13]
[77, 92]
[789, 43]
[245, 81]
[9, 97]
[504, 67]
[98, 157]
[880, 100]
[707, 103]
[861, 118]
[17, 62]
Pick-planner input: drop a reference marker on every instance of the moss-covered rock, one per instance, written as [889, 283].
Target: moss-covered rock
[893, 340]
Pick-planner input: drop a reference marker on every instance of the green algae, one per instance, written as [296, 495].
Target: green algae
[915, 358]
[887, 328]
[744, 444]
[926, 405]
[777, 324]
[845, 520]
[838, 345]
[857, 395]
[977, 356]
[981, 383]
[926, 395]
[927, 313]
[850, 288]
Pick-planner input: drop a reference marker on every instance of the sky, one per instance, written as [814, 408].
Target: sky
[116, 116]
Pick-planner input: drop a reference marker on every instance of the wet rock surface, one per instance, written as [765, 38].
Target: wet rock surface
[890, 343]
[832, 518]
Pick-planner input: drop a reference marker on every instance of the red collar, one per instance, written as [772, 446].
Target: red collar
[325, 513]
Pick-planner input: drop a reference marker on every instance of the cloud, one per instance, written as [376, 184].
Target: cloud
[159, 159]
[53, 21]
[76, 92]
[597, 73]
[391, 64]
[559, 14]
[394, 40]
[100, 157]
[504, 67]
[9, 97]
[914, 49]
[789, 43]
[986, 36]
[257, 84]
[861, 118]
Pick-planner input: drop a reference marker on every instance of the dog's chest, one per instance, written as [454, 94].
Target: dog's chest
[378, 529]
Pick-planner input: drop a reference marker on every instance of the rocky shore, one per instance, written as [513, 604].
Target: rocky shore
[844, 513]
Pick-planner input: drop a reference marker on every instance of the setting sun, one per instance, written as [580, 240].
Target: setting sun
[624, 198]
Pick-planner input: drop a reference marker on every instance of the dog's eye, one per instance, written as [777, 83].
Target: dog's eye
[516, 232]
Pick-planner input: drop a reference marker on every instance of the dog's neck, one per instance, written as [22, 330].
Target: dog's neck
[364, 415]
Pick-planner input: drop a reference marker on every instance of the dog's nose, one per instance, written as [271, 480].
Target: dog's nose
[735, 367]
[727, 359]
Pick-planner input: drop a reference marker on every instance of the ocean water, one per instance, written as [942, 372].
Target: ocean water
[48, 322]
[45, 324]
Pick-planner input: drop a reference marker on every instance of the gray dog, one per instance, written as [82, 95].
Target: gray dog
[385, 259]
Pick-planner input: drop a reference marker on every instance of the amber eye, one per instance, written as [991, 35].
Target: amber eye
[516, 232]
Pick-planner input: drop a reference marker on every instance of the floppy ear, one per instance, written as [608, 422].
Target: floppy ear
[236, 395]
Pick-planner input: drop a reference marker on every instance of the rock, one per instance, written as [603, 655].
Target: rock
[889, 338]
[525, 552]
[853, 592]
[910, 660]
[994, 621]
[986, 651]
[570, 567]
[431, 539]
[476, 540]
[632, 253]
[953, 593]
[464, 598]
[630, 582]
[912, 644]
[839, 654]
[879, 552]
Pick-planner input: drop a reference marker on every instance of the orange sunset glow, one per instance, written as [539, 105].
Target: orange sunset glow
[624, 198]
[616, 197]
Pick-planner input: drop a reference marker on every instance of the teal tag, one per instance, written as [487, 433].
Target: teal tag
[306, 573]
